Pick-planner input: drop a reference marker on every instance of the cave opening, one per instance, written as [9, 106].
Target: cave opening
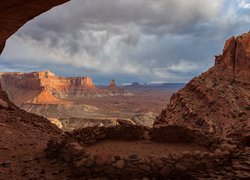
[61, 76]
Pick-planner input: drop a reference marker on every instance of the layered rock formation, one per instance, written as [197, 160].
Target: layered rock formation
[59, 98]
[236, 57]
[15, 13]
[10, 112]
[218, 100]
[23, 138]
[45, 87]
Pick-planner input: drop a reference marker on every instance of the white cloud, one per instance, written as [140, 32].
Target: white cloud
[245, 4]
[156, 40]
[184, 66]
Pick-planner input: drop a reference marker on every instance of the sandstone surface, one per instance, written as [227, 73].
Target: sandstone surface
[45, 87]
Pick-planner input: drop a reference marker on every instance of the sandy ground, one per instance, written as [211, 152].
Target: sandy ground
[140, 101]
[142, 148]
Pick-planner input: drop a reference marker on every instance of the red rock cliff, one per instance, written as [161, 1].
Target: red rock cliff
[44, 87]
[236, 56]
[218, 100]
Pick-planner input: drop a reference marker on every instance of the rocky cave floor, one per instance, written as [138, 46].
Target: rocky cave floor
[136, 152]
[122, 152]
[22, 145]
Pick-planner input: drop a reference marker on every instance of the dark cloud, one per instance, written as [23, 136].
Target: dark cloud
[145, 40]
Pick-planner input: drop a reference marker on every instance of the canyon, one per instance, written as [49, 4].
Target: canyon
[211, 111]
[75, 102]
[203, 132]
[46, 88]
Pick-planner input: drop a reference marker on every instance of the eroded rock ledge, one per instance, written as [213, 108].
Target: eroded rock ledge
[217, 101]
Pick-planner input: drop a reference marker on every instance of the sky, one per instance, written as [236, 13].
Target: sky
[128, 40]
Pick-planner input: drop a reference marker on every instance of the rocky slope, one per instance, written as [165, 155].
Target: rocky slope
[15, 13]
[218, 100]
[59, 98]
[124, 151]
[23, 138]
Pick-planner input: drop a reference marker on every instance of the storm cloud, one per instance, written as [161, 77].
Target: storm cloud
[130, 40]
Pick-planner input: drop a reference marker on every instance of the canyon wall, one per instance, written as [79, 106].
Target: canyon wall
[236, 57]
[45, 87]
[218, 100]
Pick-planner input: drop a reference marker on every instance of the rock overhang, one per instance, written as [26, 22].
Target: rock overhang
[15, 13]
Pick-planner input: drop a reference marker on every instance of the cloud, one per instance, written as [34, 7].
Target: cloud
[160, 40]
[245, 4]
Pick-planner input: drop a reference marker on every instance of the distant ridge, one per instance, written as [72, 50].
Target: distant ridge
[135, 85]
[45, 87]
